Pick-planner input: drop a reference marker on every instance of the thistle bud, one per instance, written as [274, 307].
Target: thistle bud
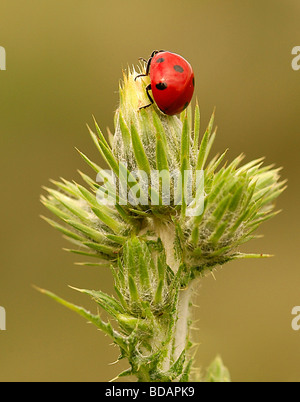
[164, 214]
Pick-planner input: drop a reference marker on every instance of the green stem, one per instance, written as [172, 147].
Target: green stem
[143, 375]
[181, 333]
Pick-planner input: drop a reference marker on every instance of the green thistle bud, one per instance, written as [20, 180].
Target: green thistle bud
[144, 280]
[138, 129]
[237, 201]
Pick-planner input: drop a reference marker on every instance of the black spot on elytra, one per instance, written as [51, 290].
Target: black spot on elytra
[161, 85]
[178, 68]
[160, 60]
[193, 81]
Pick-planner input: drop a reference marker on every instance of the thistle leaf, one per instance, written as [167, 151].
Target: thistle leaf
[108, 303]
[196, 129]
[93, 165]
[108, 220]
[204, 148]
[124, 130]
[159, 290]
[86, 230]
[62, 229]
[103, 249]
[140, 155]
[95, 319]
[134, 294]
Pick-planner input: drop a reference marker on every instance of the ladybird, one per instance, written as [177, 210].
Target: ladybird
[172, 81]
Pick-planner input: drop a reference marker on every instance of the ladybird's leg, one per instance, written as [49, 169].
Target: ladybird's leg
[149, 61]
[148, 65]
[140, 75]
[148, 88]
[147, 69]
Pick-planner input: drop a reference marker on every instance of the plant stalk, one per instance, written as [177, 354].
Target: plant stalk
[181, 329]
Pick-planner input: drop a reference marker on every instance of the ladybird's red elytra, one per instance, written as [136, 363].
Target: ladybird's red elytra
[172, 81]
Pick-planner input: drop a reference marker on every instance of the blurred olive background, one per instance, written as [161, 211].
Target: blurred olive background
[64, 63]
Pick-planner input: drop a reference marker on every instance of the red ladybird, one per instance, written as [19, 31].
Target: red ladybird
[172, 81]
